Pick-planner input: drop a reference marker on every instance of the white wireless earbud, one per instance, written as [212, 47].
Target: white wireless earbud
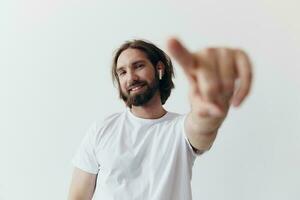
[160, 74]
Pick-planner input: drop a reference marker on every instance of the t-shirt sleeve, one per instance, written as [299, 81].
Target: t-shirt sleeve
[193, 151]
[85, 157]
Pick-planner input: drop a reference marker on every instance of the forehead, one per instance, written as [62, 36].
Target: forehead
[129, 56]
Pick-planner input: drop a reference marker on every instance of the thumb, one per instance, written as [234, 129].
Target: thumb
[181, 54]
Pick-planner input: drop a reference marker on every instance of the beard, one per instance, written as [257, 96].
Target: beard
[141, 97]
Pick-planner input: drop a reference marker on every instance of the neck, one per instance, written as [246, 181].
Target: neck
[151, 110]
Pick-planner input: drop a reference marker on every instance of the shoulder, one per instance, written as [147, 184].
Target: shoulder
[111, 118]
[97, 126]
[173, 119]
[107, 121]
[176, 117]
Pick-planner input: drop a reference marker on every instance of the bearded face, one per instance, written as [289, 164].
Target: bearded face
[137, 77]
[140, 92]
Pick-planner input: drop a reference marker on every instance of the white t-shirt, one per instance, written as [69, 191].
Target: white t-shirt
[138, 159]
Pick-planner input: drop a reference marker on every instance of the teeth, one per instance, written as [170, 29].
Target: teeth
[135, 88]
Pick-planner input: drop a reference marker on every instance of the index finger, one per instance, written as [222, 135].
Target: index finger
[181, 54]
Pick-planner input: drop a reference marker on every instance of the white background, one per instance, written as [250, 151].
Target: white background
[55, 58]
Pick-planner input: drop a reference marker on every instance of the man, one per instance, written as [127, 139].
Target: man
[146, 152]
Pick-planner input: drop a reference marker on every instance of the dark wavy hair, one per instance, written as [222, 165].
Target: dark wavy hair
[154, 54]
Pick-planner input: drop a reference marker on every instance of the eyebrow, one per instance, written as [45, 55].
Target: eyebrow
[134, 63]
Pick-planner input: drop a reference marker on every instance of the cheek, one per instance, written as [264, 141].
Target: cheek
[148, 75]
[122, 86]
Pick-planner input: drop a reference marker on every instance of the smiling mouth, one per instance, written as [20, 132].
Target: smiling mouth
[136, 88]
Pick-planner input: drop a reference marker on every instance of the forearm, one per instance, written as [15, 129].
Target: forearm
[201, 131]
[203, 125]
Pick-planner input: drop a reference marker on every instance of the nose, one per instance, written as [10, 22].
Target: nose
[132, 76]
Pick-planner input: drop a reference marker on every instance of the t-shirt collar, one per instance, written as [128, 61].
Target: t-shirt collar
[144, 120]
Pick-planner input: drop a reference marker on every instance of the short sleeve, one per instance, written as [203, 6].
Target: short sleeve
[193, 151]
[85, 157]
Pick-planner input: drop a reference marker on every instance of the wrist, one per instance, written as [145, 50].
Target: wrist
[205, 125]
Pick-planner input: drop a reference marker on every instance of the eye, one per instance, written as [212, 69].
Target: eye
[140, 66]
[121, 73]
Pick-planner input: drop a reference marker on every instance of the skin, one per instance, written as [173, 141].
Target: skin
[212, 74]
[82, 185]
[128, 72]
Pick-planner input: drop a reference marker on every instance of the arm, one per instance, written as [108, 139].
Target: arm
[218, 77]
[82, 185]
[201, 133]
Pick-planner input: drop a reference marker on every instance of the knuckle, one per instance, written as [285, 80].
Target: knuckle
[209, 51]
[208, 56]
[224, 51]
[240, 52]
